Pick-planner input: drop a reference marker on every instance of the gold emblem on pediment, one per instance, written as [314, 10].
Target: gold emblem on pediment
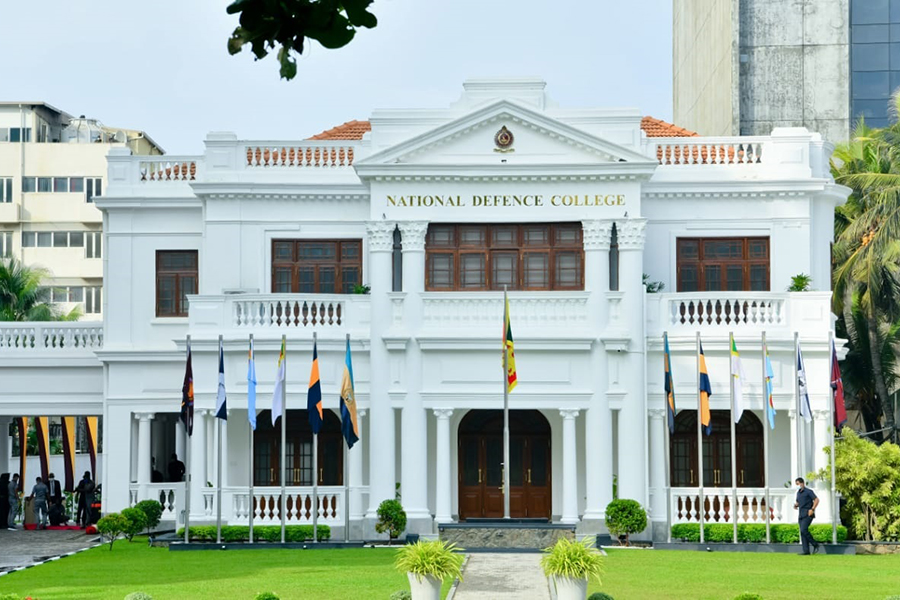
[504, 139]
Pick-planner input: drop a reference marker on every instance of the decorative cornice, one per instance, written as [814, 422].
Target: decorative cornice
[443, 413]
[597, 234]
[380, 235]
[569, 414]
[630, 234]
[413, 235]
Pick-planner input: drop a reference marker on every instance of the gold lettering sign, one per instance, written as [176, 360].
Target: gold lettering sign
[506, 200]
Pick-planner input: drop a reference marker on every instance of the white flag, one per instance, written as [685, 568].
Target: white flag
[278, 394]
[737, 381]
[805, 411]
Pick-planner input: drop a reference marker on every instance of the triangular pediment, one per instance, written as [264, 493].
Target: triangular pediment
[504, 133]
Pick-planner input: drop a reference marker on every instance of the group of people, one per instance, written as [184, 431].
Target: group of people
[47, 501]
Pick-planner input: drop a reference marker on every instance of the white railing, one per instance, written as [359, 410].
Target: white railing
[279, 312]
[307, 154]
[51, 336]
[169, 495]
[485, 309]
[169, 168]
[266, 505]
[751, 505]
[710, 150]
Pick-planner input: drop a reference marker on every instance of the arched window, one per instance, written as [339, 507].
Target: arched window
[299, 467]
[717, 451]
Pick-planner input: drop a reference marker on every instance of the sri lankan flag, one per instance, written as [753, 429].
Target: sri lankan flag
[705, 393]
[314, 396]
[511, 379]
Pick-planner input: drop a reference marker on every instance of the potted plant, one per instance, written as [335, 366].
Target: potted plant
[570, 565]
[427, 565]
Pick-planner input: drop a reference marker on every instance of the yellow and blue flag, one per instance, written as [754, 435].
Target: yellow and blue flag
[705, 393]
[251, 388]
[314, 395]
[670, 385]
[349, 426]
[770, 390]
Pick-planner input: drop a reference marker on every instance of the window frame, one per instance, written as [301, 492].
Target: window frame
[498, 243]
[338, 262]
[702, 263]
[181, 309]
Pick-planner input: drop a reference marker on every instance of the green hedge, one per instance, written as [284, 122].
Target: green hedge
[753, 533]
[261, 533]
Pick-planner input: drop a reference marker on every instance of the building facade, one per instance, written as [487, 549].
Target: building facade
[52, 166]
[744, 68]
[401, 232]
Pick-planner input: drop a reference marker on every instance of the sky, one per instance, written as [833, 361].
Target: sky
[163, 67]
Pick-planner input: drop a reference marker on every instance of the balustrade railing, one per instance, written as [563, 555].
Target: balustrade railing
[169, 168]
[276, 311]
[710, 151]
[717, 502]
[50, 336]
[169, 495]
[305, 155]
[736, 310]
[299, 507]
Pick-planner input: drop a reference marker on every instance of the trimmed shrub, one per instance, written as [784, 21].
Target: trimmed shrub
[266, 595]
[10, 597]
[137, 521]
[748, 596]
[112, 526]
[401, 595]
[753, 533]
[600, 596]
[261, 533]
[822, 533]
[624, 517]
[138, 596]
[391, 519]
[152, 510]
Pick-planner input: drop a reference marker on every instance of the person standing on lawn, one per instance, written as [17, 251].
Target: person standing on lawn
[39, 494]
[13, 491]
[806, 504]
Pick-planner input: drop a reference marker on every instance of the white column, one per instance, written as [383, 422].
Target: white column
[658, 465]
[355, 456]
[179, 441]
[143, 444]
[413, 419]
[442, 500]
[5, 445]
[598, 418]
[795, 465]
[198, 464]
[211, 439]
[632, 442]
[570, 467]
[382, 454]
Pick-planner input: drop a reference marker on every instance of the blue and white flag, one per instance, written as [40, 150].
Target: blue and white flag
[251, 388]
[221, 410]
[803, 399]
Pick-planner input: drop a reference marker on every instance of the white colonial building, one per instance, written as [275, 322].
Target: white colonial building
[436, 210]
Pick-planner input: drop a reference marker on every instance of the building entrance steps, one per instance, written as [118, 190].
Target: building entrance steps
[502, 576]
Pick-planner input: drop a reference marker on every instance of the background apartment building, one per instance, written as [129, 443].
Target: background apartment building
[743, 67]
[52, 166]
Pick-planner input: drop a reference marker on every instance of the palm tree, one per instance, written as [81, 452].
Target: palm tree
[867, 247]
[23, 297]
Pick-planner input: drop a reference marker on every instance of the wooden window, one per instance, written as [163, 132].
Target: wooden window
[316, 266]
[176, 277]
[723, 264]
[536, 256]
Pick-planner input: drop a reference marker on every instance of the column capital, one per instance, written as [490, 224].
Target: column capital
[144, 416]
[821, 415]
[380, 235]
[657, 414]
[443, 413]
[413, 235]
[597, 234]
[362, 412]
[569, 414]
[792, 413]
[630, 234]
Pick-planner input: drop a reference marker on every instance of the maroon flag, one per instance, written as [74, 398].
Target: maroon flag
[837, 387]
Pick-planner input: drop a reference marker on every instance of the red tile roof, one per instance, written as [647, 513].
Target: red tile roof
[354, 130]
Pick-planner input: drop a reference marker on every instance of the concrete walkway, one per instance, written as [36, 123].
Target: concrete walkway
[21, 548]
[503, 576]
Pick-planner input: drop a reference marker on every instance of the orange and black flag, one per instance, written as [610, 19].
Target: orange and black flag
[314, 395]
[42, 428]
[511, 379]
[670, 386]
[92, 431]
[705, 393]
[68, 430]
[187, 396]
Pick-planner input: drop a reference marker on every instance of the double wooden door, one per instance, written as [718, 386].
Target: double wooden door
[717, 451]
[481, 476]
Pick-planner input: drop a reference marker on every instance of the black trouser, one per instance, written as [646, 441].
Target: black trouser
[805, 537]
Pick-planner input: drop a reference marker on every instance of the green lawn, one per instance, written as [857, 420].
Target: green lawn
[674, 574]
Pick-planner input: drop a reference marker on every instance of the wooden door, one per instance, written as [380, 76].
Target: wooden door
[537, 477]
[471, 477]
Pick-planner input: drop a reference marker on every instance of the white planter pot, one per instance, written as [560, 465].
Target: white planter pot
[426, 588]
[570, 589]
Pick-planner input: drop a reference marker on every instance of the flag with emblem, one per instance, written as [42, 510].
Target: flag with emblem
[511, 378]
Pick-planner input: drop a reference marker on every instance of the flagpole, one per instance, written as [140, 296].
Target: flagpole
[283, 434]
[734, 508]
[506, 469]
[834, 512]
[219, 469]
[797, 443]
[187, 460]
[766, 425]
[252, 501]
[346, 473]
[315, 474]
[701, 507]
[668, 490]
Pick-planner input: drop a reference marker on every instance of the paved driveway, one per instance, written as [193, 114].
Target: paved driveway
[20, 548]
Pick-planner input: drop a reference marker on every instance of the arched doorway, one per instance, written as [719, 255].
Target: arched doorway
[717, 451]
[481, 465]
[299, 467]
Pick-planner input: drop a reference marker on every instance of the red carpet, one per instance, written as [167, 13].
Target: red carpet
[33, 526]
